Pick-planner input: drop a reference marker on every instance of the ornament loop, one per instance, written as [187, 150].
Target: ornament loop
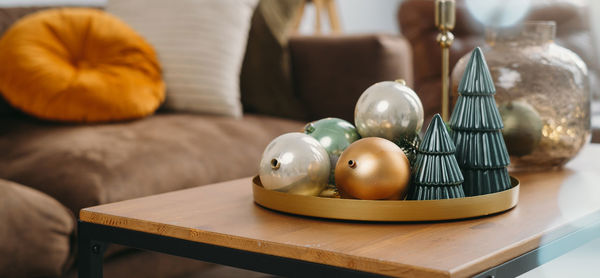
[309, 128]
[351, 163]
[275, 164]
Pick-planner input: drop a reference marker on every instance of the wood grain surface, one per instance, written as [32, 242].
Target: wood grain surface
[552, 204]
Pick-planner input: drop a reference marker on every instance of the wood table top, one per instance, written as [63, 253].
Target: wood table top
[552, 204]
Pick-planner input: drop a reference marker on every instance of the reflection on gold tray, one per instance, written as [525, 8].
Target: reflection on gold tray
[401, 210]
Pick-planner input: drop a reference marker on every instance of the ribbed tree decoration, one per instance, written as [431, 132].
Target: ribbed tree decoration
[477, 131]
[435, 173]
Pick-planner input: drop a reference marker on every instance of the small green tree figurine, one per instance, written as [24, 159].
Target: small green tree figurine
[477, 131]
[436, 174]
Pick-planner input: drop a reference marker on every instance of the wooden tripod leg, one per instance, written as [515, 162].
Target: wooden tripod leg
[299, 15]
[334, 20]
[318, 8]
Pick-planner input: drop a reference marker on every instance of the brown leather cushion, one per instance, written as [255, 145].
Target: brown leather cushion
[36, 234]
[331, 72]
[265, 79]
[83, 166]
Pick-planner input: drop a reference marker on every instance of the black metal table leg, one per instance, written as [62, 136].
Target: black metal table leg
[93, 239]
[91, 253]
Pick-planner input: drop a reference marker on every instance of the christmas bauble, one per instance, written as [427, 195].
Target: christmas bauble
[373, 169]
[335, 135]
[390, 110]
[522, 127]
[295, 163]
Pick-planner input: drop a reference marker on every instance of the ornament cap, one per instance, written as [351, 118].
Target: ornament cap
[275, 164]
[401, 81]
[477, 79]
[309, 128]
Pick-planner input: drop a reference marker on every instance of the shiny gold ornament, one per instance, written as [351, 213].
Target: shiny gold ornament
[373, 169]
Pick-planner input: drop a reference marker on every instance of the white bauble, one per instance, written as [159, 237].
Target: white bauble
[295, 163]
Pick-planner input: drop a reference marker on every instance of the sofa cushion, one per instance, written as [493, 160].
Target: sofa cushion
[79, 65]
[36, 233]
[200, 44]
[83, 166]
[8, 16]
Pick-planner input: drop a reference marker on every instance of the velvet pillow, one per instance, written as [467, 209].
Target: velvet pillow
[79, 65]
[8, 16]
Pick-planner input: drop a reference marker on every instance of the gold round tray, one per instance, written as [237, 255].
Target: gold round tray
[401, 210]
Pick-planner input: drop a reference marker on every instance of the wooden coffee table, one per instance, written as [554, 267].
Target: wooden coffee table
[557, 212]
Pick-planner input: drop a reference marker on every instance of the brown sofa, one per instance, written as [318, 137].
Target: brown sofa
[50, 171]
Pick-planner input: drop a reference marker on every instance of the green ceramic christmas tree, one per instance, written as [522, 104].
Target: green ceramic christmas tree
[436, 174]
[477, 131]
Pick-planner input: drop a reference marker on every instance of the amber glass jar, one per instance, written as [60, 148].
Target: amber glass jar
[542, 92]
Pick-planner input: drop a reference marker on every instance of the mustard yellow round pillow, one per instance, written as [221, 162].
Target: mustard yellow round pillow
[79, 65]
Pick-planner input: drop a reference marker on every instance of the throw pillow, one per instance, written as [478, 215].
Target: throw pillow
[79, 65]
[8, 16]
[200, 44]
[266, 80]
[11, 12]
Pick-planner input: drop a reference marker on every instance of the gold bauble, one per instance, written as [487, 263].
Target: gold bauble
[373, 169]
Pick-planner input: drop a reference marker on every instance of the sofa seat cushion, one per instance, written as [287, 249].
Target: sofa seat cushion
[36, 234]
[82, 166]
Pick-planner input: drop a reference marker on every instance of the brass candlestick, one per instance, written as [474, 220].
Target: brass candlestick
[444, 21]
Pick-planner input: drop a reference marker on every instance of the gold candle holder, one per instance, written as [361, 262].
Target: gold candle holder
[444, 21]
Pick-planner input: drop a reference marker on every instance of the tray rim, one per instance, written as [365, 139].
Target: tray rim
[387, 210]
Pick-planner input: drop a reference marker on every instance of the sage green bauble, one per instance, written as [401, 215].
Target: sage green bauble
[522, 127]
[335, 135]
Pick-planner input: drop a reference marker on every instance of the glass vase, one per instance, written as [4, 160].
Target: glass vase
[542, 92]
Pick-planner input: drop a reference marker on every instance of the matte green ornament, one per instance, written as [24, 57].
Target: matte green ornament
[477, 131]
[436, 174]
[335, 135]
[522, 127]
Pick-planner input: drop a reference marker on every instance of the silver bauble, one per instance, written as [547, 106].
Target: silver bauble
[390, 110]
[295, 163]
